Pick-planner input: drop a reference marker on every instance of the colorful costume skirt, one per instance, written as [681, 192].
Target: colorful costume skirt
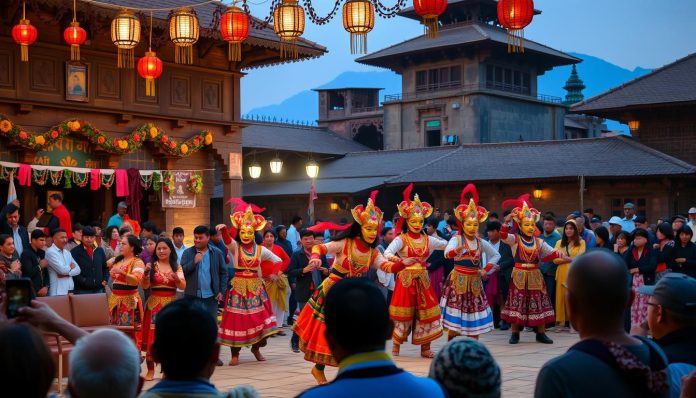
[247, 318]
[157, 300]
[464, 305]
[639, 307]
[126, 309]
[414, 308]
[528, 303]
[310, 326]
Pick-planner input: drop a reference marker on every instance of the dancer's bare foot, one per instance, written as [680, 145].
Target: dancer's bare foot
[258, 355]
[319, 376]
[395, 350]
[234, 361]
[425, 351]
[150, 375]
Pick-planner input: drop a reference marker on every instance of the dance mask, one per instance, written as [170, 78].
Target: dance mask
[524, 214]
[413, 211]
[369, 217]
[247, 223]
[470, 215]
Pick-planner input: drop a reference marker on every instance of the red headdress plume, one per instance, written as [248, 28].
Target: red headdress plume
[470, 209]
[523, 209]
[368, 214]
[240, 206]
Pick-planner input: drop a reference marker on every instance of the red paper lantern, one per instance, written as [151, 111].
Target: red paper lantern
[75, 36]
[430, 10]
[234, 29]
[515, 15]
[150, 68]
[24, 34]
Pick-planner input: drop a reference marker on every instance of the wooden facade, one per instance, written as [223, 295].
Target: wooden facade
[189, 99]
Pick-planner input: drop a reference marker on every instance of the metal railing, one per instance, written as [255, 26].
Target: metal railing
[278, 120]
[468, 88]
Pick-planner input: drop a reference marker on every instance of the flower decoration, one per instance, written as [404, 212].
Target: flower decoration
[195, 184]
[5, 126]
[168, 184]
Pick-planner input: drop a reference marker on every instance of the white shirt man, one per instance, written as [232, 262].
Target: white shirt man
[692, 222]
[61, 266]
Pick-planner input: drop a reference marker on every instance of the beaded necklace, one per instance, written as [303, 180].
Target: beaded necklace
[356, 258]
[248, 257]
[527, 254]
[419, 247]
[476, 258]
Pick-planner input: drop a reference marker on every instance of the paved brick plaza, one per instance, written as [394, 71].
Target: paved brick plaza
[285, 373]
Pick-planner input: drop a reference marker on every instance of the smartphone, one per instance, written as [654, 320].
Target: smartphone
[19, 294]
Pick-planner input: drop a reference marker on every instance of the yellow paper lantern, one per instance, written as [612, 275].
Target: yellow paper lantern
[125, 34]
[288, 24]
[634, 125]
[358, 20]
[184, 30]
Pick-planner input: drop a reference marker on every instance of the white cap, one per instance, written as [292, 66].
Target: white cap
[692, 210]
[615, 220]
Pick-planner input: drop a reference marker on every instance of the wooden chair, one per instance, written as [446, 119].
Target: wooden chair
[59, 346]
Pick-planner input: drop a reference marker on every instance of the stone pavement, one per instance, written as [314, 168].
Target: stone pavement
[285, 374]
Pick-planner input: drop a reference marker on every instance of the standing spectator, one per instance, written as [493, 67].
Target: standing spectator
[692, 222]
[465, 368]
[113, 241]
[282, 239]
[442, 225]
[678, 221]
[148, 254]
[99, 233]
[602, 238]
[76, 238]
[627, 223]
[436, 261]
[34, 223]
[276, 281]
[585, 234]
[589, 213]
[61, 213]
[34, 263]
[216, 239]
[9, 219]
[623, 242]
[304, 277]
[188, 367]
[147, 230]
[10, 267]
[572, 246]
[672, 323]
[614, 228]
[92, 262]
[178, 239]
[357, 327]
[61, 265]
[685, 252]
[386, 280]
[293, 235]
[607, 362]
[642, 222]
[121, 215]
[506, 263]
[641, 260]
[596, 222]
[548, 268]
[665, 250]
[204, 269]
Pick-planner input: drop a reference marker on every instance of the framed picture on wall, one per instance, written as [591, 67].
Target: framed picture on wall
[76, 82]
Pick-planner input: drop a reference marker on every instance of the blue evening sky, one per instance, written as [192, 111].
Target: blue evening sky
[628, 33]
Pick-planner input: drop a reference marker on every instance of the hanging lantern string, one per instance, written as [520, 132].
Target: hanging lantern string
[24, 10]
[150, 41]
[74, 10]
[199, 4]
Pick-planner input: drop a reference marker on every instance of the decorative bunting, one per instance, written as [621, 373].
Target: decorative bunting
[39, 176]
[80, 179]
[107, 180]
[156, 181]
[56, 176]
[68, 179]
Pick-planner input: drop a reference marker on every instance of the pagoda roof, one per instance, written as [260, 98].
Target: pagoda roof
[671, 84]
[459, 36]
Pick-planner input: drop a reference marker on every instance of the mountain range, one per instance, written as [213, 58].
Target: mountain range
[597, 74]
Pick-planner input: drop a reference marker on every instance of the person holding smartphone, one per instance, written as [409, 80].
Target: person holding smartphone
[10, 267]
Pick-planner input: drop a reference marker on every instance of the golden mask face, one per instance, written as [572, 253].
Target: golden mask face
[369, 233]
[528, 227]
[470, 228]
[246, 235]
[415, 224]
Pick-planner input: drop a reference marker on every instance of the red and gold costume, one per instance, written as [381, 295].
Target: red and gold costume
[163, 291]
[465, 309]
[247, 319]
[354, 256]
[528, 303]
[414, 308]
[125, 306]
[277, 287]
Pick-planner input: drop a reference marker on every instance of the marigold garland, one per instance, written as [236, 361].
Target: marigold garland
[108, 180]
[169, 184]
[39, 176]
[80, 179]
[122, 145]
[195, 184]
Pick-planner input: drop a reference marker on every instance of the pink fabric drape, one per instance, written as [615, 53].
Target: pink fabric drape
[121, 183]
[24, 175]
[94, 179]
